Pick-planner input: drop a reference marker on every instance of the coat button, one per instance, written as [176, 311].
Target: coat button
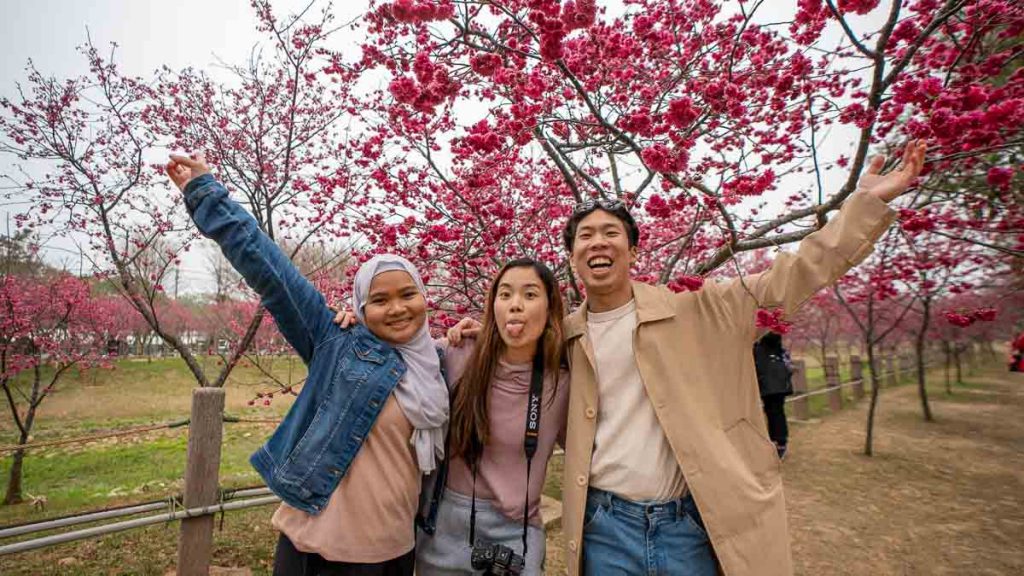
[572, 545]
[590, 412]
[581, 480]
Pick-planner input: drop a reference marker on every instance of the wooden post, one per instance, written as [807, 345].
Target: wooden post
[891, 378]
[202, 468]
[801, 406]
[857, 375]
[835, 393]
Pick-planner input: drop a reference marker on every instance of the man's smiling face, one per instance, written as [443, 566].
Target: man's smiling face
[601, 254]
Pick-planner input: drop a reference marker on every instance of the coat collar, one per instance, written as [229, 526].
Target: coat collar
[652, 303]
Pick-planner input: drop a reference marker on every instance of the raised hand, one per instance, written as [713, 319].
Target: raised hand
[466, 328]
[890, 185]
[182, 169]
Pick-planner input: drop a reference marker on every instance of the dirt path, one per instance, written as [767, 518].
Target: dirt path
[939, 498]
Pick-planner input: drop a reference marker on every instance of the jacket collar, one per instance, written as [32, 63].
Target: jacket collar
[653, 303]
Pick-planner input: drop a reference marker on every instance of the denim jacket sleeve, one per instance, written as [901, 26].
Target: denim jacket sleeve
[297, 306]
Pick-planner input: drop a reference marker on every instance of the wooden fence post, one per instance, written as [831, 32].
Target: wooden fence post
[835, 393]
[801, 406]
[891, 378]
[857, 375]
[202, 470]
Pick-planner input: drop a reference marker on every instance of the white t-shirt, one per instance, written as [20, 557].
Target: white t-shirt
[632, 457]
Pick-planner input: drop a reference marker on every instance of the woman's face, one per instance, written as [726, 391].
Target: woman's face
[395, 308]
[521, 312]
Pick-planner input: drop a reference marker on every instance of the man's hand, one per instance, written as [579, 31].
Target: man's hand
[466, 328]
[891, 185]
[183, 169]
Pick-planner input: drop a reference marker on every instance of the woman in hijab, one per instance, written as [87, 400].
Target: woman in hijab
[348, 458]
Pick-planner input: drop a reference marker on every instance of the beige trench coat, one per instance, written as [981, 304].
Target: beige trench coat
[693, 351]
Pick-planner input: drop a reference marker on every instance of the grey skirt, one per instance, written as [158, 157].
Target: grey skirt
[447, 552]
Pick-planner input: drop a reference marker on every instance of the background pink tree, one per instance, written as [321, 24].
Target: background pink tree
[47, 327]
[871, 297]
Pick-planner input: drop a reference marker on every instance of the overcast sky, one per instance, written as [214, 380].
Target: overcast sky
[182, 33]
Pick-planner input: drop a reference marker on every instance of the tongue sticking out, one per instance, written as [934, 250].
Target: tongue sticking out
[514, 329]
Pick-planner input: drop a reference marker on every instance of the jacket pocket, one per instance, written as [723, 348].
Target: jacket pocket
[756, 450]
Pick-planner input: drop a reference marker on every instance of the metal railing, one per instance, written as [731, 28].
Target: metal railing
[232, 500]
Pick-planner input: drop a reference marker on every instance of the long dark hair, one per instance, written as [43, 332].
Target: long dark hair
[470, 425]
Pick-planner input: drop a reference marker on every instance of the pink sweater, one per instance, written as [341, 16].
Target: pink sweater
[502, 474]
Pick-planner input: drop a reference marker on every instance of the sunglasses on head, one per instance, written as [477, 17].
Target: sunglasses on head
[602, 203]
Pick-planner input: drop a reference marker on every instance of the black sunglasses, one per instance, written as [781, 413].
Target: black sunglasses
[602, 203]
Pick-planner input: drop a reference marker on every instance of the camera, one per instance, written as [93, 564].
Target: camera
[496, 560]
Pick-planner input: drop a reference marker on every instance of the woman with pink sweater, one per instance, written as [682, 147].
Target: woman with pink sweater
[510, 400]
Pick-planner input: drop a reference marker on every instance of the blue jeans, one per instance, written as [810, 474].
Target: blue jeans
[625, 537]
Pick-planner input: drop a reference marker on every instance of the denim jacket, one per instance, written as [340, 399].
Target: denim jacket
[351, 372]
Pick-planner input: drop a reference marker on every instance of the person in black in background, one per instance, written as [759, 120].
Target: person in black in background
[775, 380]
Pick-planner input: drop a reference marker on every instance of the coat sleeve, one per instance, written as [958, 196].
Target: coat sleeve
[297, 306]
[821, 259]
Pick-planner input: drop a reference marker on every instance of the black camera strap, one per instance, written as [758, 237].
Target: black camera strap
[531, 439]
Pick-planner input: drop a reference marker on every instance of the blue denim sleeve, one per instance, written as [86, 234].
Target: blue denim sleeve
[297, 306]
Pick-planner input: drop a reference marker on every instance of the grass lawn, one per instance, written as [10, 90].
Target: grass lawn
[133, 468]
[138, 391]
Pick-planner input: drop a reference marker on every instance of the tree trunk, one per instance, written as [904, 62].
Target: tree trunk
[948, 355]
[875, 385]
[956, 361]
[922, 390]
[13, 495]
[992, 354]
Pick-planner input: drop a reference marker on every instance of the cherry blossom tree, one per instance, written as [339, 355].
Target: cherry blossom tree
[696, 114]
[47, 327]
[933, 266]
[872, 299]
[821, 325]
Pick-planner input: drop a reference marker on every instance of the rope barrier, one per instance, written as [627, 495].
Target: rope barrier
[826, 389]
[127, 432]
[93, 437]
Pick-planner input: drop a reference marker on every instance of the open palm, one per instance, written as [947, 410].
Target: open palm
[892, 184]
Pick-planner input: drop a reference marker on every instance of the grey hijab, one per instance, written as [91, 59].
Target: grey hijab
[422, 393]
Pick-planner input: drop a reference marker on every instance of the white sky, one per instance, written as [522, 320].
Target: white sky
[201, 33]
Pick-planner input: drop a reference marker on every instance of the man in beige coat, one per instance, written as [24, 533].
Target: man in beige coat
[668, 464]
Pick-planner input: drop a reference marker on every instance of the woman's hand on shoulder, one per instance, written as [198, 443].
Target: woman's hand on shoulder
[466, 328]
[183, 169]
[344, 317]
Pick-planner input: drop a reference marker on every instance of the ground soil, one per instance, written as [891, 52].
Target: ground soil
[945, 497]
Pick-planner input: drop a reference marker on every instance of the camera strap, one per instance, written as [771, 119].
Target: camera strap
[531, 439]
